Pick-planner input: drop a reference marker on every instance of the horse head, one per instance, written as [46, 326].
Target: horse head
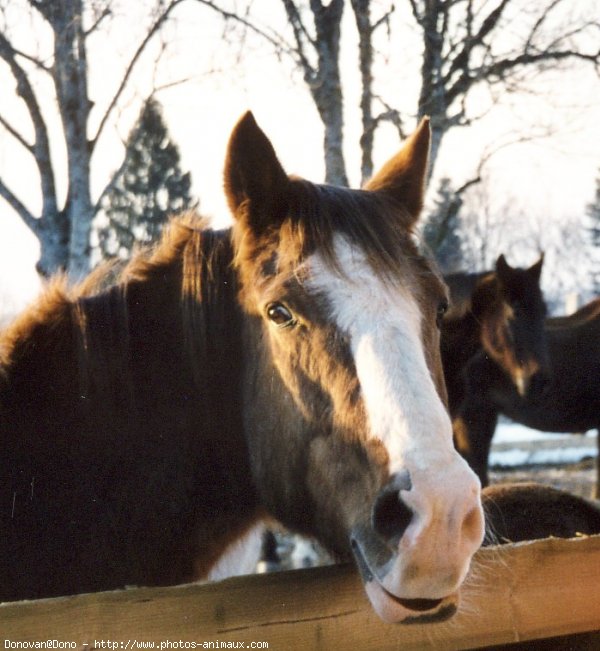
[512, 311]
[347, 428]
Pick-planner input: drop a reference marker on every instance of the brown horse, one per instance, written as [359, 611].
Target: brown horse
[529, 511]
[288, 367]
[552, 390]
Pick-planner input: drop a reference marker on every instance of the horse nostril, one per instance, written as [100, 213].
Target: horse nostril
[473, 525]
[391, 516]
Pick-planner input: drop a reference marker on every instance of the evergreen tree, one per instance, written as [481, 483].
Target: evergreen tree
[441, 231]
[149, 188]
[593, 214]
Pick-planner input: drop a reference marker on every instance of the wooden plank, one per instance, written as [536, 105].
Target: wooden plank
[516, 592]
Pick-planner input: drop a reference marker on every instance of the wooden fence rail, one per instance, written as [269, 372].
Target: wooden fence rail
[516, 592]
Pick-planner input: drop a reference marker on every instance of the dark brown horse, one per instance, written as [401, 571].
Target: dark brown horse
[529, 511]
[502, 311]
[288, 367]
[553, 389]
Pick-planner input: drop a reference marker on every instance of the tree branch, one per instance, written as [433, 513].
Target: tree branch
[499, 68]
[41, 145]
[29, 220]
[469, 183]
[105, 13]
[111, 184]
[15, 134]
[275, 40]
[391, 115]
[300, 33]
[539, 22]
[462, 59]
[142, 46]
[415, 11]
[38, 64]
[384, 20]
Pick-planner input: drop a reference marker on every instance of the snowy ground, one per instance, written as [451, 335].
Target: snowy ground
[517, 445]
[566, 461]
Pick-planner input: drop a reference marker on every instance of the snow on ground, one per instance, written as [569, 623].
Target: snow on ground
[509, 432]
[517, 445]
[519, 457]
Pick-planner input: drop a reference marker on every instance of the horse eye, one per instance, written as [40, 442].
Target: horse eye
[441, 311]
[279, 314]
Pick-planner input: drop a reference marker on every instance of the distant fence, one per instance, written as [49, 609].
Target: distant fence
[518, 592]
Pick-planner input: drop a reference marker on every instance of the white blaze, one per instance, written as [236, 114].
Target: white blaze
[406, 413]
[384, 324]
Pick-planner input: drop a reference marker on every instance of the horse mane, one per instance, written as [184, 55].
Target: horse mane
[178, 234]
[48, 308]
[97, 309]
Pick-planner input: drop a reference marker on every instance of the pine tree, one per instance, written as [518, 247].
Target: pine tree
[593, 214]
[441, 231]
[149, 188]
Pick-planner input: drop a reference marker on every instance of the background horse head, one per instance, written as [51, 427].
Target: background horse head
[499, 313]
[511, 310]
[288, 366]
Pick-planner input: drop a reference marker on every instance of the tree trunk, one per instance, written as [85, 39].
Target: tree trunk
[362, 16]
[70, 78]
[330, 111]
[53, 235]
[326, 88]
[432, 101]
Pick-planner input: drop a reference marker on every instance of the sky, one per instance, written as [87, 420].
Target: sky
[548, 179]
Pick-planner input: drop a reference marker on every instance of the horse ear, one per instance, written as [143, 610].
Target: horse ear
[404, 175]
[535, 271]
[255, 181]
[503, 269]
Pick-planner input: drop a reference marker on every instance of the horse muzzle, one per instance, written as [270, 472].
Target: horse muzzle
[524, 373]
[413, 557]
[390, 607]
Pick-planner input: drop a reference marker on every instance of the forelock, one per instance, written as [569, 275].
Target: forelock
[368, 221]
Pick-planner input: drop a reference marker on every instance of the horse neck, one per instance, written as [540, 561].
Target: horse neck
[566, 333]
[165, 345]
[583, 316]
[200, 320]
[460, 338]
[184, 353]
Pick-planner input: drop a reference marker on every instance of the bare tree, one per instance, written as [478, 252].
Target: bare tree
[593, 231]
[314, 49]
[322, 74]
[466, 44]
[64, 230]
[563, 273]
[367, 28]
[486, 229]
